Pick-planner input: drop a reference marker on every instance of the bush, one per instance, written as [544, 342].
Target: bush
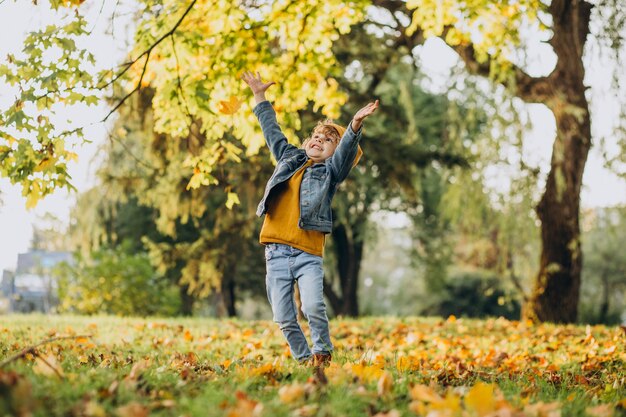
[114, 281]
[474, 295]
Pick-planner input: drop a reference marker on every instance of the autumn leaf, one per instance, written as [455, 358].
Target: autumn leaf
[245, 406]
[424, 393]
[233, 199]
[47, 366]
[133, 409]
[481, 398]
[293, 393]
[230, 107]
[603, 410]
[385, 384]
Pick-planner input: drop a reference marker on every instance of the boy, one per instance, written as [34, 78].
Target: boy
[296, 204]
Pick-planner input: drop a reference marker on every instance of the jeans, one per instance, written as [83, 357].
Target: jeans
[286, 265]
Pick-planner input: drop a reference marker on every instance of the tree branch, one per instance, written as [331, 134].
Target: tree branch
[145, 53]
[529, 89]
[31, 349]
[137, 87]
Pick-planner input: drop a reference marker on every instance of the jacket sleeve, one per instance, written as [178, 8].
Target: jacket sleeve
[344, 158]
[274, 137]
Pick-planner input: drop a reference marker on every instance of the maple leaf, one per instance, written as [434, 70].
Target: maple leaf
[231, 106]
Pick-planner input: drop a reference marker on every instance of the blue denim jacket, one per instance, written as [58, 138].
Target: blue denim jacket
[319, 182]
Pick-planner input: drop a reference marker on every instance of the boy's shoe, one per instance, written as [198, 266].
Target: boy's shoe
[306, 362]
[321, 360]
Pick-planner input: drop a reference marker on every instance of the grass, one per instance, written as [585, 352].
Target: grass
[381, 366]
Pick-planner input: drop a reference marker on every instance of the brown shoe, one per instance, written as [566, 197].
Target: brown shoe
[321, 360]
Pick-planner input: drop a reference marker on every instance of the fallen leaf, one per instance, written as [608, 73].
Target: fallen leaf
[481, 398]
[424, 393]
[47, 366]
[385, 384]
[293, 393]
[133, 409]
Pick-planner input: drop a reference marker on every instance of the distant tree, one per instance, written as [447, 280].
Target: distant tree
[604, 287]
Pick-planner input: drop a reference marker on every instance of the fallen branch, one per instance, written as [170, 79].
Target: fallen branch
[31, 349]
[56, 371]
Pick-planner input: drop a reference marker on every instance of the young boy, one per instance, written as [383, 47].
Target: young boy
[296, 204]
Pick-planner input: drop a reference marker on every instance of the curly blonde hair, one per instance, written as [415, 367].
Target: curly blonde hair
[326, 127]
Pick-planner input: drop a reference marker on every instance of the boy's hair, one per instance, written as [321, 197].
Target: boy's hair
[328, 128]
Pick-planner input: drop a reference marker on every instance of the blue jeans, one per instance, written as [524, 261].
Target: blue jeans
[286, 265]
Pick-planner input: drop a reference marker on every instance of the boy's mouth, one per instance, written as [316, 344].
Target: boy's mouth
[318, 147]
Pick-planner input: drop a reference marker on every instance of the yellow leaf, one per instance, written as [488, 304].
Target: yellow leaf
[367, 373]
[289, 394]
[385, 384]
[481, 398]
[47, 365]
[542, 409]
[229, 107]
[33, 195]
[424, 393]
[233, 199]
[403, 364]
[187, 335]
[451, 404]
[133, 409]
[604, 410]
[93, 409]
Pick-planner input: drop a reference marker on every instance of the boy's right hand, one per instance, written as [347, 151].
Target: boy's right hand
[256, 84]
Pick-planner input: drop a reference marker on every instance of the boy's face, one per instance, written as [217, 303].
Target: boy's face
[320, 147]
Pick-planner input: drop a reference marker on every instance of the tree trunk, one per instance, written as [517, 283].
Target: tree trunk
[606, 296]
[557, 284]
[228, 292]
[186, 300]
[349, 253]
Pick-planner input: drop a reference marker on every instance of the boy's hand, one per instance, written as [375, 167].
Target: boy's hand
[257, 86]
[358, 118]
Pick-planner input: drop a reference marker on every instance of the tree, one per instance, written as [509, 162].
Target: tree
[605, 268]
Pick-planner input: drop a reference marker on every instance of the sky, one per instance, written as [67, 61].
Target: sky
[601, 188]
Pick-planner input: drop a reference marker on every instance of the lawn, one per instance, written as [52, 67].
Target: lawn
[100, 366]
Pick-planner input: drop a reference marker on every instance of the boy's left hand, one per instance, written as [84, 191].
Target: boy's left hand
[357, 120]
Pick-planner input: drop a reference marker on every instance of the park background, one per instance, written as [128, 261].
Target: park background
[476, 264]
[454, 220]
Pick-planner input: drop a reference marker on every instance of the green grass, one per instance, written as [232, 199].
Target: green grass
[208, 367]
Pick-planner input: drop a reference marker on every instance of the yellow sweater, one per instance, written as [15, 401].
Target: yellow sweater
[281, 220]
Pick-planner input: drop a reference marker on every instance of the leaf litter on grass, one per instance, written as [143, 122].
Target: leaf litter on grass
[381, 367]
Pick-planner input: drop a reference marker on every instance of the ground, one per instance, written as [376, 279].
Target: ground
[100, 366]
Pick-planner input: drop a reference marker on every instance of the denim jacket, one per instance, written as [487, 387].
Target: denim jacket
[319, 182]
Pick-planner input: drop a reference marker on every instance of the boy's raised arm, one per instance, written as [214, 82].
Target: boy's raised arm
[264, 111]
[342, 160]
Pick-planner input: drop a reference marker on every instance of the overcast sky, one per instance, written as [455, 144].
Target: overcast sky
[601, 188]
